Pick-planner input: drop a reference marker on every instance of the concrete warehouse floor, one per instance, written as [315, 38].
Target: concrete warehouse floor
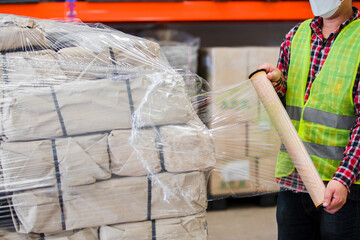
[243, 219]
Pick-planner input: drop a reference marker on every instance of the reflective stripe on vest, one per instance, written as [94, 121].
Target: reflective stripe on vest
[321, 117]
[294, 112]
[322, 151]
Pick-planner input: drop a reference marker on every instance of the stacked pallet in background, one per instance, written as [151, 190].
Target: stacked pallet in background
[246, 143]
[97, 130]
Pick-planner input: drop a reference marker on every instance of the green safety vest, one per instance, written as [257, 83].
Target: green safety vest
[324, 122]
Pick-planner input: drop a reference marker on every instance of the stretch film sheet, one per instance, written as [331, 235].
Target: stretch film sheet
[246, 143]
[249, 148]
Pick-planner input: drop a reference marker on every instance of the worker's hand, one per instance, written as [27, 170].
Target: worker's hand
[272, 72]
[335, 196]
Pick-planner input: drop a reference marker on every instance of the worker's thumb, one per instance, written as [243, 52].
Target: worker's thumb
[328, 196]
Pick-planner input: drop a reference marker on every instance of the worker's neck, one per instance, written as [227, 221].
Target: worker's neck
[341, 15]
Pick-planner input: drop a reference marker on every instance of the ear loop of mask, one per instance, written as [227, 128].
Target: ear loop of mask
[339, 2]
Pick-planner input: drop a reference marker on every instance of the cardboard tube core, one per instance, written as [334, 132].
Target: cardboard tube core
[289, 136]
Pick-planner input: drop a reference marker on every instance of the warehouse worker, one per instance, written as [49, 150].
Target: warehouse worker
[318, 76]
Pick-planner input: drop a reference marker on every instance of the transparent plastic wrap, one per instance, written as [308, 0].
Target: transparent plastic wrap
[247, 134]
[246, 143]
[180, 48]
[97, 129]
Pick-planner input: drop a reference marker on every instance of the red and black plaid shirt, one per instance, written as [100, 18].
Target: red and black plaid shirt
[348, 171]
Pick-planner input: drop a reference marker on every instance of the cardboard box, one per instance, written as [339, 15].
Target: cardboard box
[263, 140]
[235, 172]
[271, 147]
[264, 145]
[244, 142]
[245, 139]
[235, 177]
[266, 171]
[226, 70]
[226, 66]
[260, 55]
[230, 143]
[237, 104]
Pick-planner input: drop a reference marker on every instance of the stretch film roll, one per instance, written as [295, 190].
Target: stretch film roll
[289, 136]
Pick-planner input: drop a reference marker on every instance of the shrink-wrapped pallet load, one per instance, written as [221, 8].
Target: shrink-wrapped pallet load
[99, 136]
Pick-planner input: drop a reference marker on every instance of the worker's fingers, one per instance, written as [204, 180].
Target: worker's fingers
[335, 204]
[327, 197]
[272, 72]
[273, 76]
[267, 66]
[334, 197]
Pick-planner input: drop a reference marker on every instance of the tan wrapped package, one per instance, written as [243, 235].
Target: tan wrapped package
[87, 53]
[29, 69]
[187, 148]
[37, 211]
[20, 33]
[183, 228]
[100, 105]
[81, 160]
[85, 64]
[8, 235]
[27, 116]
[134, 155]
[190, 227]
[84, 234]
[160, 99]
[169, 148]
[109, 202]
[32, 68]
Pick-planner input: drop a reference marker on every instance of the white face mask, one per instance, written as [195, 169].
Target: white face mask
[325, 8]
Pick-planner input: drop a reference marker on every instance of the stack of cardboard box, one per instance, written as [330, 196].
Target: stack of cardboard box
[245, 141]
